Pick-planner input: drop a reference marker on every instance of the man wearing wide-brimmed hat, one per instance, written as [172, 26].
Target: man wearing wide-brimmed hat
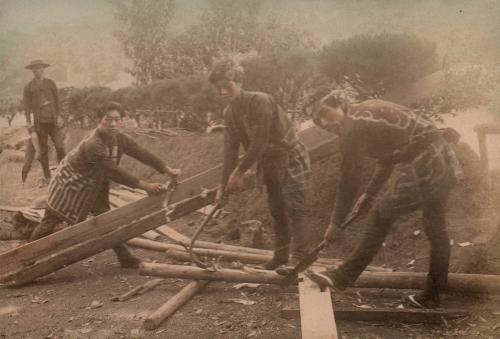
[41, 99]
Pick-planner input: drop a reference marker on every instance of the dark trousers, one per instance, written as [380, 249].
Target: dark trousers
[376, 231]
[287, 209]
[49, 223]
[43, 132]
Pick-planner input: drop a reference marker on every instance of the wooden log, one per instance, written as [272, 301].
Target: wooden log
[316, 311]
[246, 257]
[10, 208]
[319, 143]
[196, 273]
[174, 251]
[457, 282]
[141, 289]
[385, 314]
[170, 307]
[182, 239]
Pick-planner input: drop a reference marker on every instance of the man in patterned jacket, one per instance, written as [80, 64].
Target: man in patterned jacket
[81, 184]
[426, 169]
[256, 121]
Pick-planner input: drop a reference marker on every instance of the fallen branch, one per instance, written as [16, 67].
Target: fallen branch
[141, 289]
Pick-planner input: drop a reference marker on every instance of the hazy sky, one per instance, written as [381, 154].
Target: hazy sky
[30, 15]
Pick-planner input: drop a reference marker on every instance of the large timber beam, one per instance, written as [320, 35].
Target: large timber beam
[24, 274]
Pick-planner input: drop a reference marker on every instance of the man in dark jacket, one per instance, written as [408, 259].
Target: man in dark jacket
[81, 184]
[256, 121]
[426, 169]
[41, 99]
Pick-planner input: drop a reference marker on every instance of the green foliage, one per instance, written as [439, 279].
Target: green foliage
[462, 88]
[380, 62]
[284, 74]
[9, 107]
[84, 102]
[144, 31]
[225, 27]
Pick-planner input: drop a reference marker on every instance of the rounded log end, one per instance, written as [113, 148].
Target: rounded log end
[149, 324]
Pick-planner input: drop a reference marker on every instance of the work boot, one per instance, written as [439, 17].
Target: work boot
[42, 230]
[44, 182]
[424, 299]
[326, 279]
[280, 257]
[126, 259]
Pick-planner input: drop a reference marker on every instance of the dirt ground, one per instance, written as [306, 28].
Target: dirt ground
[75, 302]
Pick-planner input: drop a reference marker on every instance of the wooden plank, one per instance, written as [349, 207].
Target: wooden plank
[319, 142]
[385, 314]
[26, 273]
[151, 235]
[10, 208]
[317, 320]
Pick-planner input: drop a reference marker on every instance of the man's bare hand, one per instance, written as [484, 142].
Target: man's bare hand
[152, 188]
[236, 180]
[173, 172]
[333, 234]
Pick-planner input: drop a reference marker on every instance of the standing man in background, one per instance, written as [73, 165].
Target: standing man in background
[41, 99]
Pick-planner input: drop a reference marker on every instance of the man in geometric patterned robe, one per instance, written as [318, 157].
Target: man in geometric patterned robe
[81, 184]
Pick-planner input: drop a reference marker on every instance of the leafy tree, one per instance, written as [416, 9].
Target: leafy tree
[83, 103]
[9, 107]
[461, 88]
[378, 62]
[284, 74]
[144, 31]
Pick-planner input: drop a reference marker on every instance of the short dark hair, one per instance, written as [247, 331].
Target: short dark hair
[108, 107]
[226, 69]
